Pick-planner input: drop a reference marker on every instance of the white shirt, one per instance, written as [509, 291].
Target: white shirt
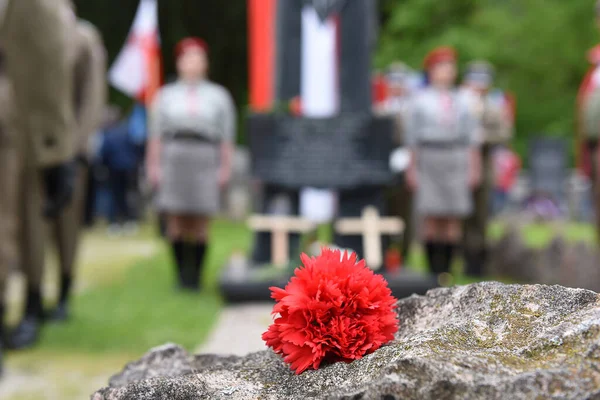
[596, 77]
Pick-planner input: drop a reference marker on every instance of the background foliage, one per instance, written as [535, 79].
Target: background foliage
[538, 46]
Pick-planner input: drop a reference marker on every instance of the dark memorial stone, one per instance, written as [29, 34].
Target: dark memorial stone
[548, 167]
[253, 283]
[325, 8]
[343, 152]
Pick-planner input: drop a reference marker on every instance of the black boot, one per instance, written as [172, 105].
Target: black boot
[26, 334]
[474, 261]
[200, 254]
[178, 253]
[429, 253]
[2, 334]
[189, 272]
[435, 257]
[448, 252]
[61, 312]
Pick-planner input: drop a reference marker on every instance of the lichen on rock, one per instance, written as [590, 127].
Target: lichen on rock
[482, 341]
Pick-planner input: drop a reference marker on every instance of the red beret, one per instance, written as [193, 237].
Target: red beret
[190, 43]
[438, 55]
[594, 55]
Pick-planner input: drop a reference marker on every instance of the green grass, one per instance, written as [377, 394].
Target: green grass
[537, 235]
[130, 308]
[139, 307]
[142, 309]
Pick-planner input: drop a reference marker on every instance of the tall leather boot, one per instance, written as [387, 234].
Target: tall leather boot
[26, 334]
[200, 255]
[2, 334]
[474, 262]
[178, 247]
[435, 257]
[61, 312]
[448, 252]
[189, 268]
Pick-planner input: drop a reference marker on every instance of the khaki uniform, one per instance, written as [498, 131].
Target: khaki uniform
[8, 167]
[495, 129]
[36, 34]
[89, 101]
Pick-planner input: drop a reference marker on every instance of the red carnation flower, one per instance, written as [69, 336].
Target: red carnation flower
[333, 309]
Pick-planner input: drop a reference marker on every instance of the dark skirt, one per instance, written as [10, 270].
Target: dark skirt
[443, 181]
[189, 183]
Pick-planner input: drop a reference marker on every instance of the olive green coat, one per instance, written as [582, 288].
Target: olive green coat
[8, 166]
[37, 37]
[89, 102]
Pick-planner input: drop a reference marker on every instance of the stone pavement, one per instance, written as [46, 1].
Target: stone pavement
[239, 330]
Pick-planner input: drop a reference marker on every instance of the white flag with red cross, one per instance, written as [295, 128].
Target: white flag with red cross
[138, 68]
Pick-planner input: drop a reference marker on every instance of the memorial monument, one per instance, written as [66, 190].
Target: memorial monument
[314, 56]
[548, 168]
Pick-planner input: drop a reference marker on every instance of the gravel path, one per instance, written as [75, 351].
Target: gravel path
[251, 319]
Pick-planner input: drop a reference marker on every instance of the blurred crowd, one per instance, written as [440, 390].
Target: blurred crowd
[459, 165]
[115, 185]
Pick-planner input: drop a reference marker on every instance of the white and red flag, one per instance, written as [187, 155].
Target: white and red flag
[138, 68]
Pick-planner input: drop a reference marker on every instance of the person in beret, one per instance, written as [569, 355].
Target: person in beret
[192, 129]
[444, 137]
[490, 107]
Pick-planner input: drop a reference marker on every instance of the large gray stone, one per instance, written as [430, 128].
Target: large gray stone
[482, 341]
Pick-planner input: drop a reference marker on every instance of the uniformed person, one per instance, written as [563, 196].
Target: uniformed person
[90, 100]
[490, 108]
[189, 157]
[397, 105]
[8, 154]
[588, 123]
[445, 164]
[37, 35]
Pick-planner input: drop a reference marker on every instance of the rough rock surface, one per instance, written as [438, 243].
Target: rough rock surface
[482, 341]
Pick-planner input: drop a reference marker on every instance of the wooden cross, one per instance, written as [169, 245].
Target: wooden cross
[280, 227]
[372, 227]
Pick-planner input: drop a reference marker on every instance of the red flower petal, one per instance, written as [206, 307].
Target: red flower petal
[333, 309]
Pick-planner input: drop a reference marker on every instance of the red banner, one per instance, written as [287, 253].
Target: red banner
[261, 37]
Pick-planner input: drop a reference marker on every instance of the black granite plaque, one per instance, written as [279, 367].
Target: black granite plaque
[254, 285]
[343, 152]
[548, 166]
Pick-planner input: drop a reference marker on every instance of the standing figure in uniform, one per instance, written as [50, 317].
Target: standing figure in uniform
[397, 105]
[38, 60]
[8, 166]
[89, 102]
[490, 109]
[192, 128]
[445, 163]
[588, 124]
